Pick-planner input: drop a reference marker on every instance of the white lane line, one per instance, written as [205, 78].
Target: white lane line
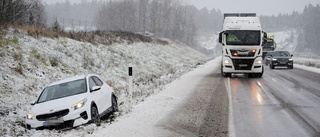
[231, 128]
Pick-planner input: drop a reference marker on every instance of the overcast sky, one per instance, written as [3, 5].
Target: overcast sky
[261, 7]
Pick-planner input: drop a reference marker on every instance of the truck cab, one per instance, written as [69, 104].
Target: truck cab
[242, 39]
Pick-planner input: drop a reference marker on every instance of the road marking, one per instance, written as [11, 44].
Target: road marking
[231, 128]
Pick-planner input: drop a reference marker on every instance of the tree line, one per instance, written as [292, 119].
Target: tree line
[22, 12]
[163, 18]
[306, 24]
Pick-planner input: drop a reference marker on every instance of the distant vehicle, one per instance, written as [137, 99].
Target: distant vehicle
[269, 45]
[146, 33]
[72, 102]
[281, 58]
[242, 39]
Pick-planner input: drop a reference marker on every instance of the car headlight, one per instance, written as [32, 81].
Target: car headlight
[274, 59]
[30, 116]
[290, 59]
[79, 104]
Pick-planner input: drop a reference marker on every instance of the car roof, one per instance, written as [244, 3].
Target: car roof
[69, 79]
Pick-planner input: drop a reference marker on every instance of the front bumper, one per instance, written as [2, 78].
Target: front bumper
[254, 65]
[72, 119]
[279, 63]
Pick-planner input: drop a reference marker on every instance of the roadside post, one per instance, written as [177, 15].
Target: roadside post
[130, 87]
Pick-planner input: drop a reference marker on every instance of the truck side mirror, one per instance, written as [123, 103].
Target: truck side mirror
[220, 37]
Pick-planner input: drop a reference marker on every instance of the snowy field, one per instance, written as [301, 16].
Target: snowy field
[29, 64]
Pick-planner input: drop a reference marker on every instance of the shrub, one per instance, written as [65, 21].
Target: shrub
[19, 69]
[17, 57]
[35, 54]
[54, 62]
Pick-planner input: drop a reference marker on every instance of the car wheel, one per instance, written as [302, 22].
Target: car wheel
[95, 118]
[114, 104]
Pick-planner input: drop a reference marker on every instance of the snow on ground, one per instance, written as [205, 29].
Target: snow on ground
[209, 42]
[29, 64]
[286, 40]
[145, 118]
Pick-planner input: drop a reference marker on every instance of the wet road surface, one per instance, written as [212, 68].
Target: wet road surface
[283, 102]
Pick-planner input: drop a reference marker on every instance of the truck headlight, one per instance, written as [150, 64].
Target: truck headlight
[259, 62]
[79, 104]
[30, 116]
[226, 62]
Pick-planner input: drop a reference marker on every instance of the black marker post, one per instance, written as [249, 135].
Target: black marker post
[130, 86]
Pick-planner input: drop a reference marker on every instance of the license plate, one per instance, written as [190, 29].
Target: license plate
[52, 122]
[282, 62]
[243, 65]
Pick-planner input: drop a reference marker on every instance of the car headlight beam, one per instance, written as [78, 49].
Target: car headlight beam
[30, 116]
[79, 104]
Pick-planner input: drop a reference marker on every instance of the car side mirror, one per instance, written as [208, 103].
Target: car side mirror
[291, 55]
[32, 103]
[95, 88]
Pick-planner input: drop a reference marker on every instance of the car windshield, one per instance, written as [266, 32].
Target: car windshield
[63, 90]
[281, 53]
[243, 37]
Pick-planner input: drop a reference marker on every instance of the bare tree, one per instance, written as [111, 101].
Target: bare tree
[21, 12]
[164, 18]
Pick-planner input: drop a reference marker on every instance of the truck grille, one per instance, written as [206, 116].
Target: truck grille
[54, 115]
[242, 64]
[242, 53]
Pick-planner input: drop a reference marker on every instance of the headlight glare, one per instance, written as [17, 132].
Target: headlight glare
[274, 59]
[259, 62]
[226, 62]
[79, 104]
[290, 59]
[30, 116]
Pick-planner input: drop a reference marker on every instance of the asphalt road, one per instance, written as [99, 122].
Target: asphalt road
[282, 103]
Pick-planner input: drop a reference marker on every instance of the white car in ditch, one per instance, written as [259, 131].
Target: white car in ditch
[72, 102]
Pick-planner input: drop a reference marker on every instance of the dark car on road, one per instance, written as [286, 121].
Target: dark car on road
[280, 58]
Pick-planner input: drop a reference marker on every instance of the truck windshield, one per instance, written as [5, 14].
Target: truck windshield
[243, 37]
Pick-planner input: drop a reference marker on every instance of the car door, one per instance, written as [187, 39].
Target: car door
[96, 95]
[105, 92]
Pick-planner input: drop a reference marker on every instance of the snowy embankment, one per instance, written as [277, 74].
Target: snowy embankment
[29, 64]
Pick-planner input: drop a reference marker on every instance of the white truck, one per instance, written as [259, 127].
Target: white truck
[242, 39]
